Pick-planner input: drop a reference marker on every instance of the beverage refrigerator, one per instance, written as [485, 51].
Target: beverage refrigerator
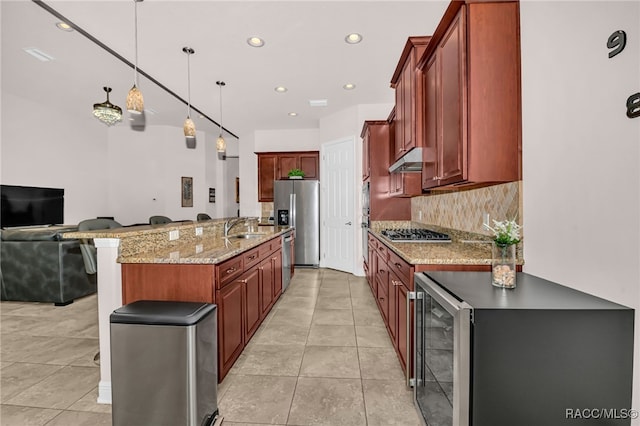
[297, 204]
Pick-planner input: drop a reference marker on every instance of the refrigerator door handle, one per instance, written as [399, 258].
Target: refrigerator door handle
[292, 209]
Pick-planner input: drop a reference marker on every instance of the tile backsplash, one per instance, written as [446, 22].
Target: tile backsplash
[464, 210]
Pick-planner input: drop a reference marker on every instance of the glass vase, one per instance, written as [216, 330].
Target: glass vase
[503, 266]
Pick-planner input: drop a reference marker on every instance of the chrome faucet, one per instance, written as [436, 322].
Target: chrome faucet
[231, 223]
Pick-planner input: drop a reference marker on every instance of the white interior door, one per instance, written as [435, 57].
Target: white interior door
[337, 183]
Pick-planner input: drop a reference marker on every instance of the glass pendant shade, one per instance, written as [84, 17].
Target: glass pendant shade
[107, 112]
[189, 128]
[135, 101]
[221, 145]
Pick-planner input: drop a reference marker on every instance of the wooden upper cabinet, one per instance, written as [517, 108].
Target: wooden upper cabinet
[445, 109]
[408, 97]
[276, 165]
[366, 161]
[286, 162]
[267, 170]
[470, 73]
[376, 136]
[309, 163]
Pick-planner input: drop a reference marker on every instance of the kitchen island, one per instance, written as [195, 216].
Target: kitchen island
[189, 261]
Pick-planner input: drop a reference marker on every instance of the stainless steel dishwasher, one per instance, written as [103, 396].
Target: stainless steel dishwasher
[286, 260]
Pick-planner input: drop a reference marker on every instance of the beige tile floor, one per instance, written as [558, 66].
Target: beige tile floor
[321, 357]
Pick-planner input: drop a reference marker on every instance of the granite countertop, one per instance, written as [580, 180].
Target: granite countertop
[464, 249]
[207, 250]
[150, 244]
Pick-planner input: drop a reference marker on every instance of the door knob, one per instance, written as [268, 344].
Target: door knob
[348, 223]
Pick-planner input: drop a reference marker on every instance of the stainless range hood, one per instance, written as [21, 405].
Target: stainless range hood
[411, 162]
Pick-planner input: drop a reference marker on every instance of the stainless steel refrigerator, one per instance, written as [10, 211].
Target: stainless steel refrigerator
[297, 203]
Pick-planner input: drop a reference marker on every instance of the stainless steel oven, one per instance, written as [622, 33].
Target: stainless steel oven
[442, 353]
[366, 223]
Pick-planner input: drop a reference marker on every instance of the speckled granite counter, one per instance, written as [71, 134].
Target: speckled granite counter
[464, 249]
[151, 243]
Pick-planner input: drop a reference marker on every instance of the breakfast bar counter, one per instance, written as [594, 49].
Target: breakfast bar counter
[189, 261]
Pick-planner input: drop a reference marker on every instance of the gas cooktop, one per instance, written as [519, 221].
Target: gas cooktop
[416, 235]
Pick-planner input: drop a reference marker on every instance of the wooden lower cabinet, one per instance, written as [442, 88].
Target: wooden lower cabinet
[231, 336]
[243, 287]
[402, 337]
[390, 280]
[266, 286]
[252, 313]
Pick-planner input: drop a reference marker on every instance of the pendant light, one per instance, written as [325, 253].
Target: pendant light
[221, 145]
[189, 126]
[107, 112]
[135, 101]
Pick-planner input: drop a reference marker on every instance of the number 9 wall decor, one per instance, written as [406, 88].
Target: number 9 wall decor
[617, 42]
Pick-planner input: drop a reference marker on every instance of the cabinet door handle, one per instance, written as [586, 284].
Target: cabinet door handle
[399, 266]
[252, 257]
[396, 283]
[242, 281]
[261, 268]
[274, 258]
[231, 270]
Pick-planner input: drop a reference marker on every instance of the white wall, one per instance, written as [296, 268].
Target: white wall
[581, 180]
[145, 171]
[53, 147]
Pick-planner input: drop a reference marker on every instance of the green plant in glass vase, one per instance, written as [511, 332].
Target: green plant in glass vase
[506, 234]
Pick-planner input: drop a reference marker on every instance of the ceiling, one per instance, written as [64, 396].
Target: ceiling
[304, 51]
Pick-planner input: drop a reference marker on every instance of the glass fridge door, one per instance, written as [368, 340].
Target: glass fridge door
[441, 357]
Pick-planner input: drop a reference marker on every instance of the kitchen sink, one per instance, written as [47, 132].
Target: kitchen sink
[245, 236]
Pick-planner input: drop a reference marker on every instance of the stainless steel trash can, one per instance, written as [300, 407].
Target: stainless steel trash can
[164, 368]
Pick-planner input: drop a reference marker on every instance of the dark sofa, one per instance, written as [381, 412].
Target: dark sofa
[37, 265]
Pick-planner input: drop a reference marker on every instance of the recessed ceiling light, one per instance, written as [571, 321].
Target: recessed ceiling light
[353, 38]
[293, 114]
[64, 26]
[201, 116]
[349, 86]
[280, 89]
[255, 41]
[38, 54]
[318, 102]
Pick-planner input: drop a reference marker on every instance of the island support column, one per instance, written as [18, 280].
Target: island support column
[109, 299]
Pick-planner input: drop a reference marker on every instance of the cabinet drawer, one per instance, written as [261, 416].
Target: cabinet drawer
[251, 257]
[382, 251]
[269, 247]
[373, 242]
[400, 267]
[229, 270]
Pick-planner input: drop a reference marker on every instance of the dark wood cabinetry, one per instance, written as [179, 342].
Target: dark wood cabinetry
[470, 76]
[276, 165]
[376, 138]
[408, 97]
[390, 279]
[245, 287]
[231, 336]
[402, 184]
[252, 313]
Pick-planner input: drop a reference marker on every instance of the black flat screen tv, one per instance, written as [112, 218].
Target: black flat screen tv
[29, 206]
